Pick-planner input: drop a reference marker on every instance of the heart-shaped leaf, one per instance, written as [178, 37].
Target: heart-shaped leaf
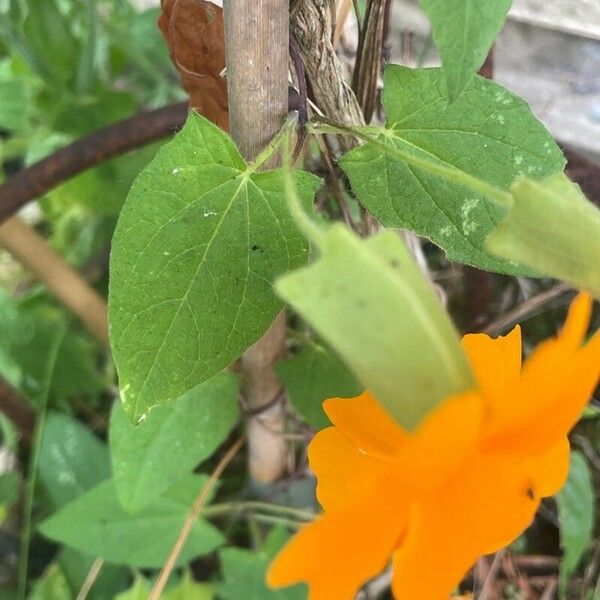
[199, 242]
[488, 134]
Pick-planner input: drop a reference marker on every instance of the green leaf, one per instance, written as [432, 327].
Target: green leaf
[487, 134]
[96, 523]
[72, 460]
[28, 332]
[200, 241]
[80, 115]
[174, 439]
[9, 492]
[464, 31]
[370, 294]
[244, 572]
[16, 329]
[14, 100]
[9, 436]
[188, 589]
[52, 586]
[76, 567]
[100, 191]
[76, 371]
[553, 228]
[140, 590]
[576, 514]
[312, 376]
[88, 57]
[58, 54]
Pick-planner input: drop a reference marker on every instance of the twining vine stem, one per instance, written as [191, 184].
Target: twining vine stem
[89, 151]
[372, 135]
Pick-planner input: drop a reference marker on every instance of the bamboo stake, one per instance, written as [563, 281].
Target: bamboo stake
[256, 40]
[32, 251]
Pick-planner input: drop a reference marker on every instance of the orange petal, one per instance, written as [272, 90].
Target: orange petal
[555, 387]
[577, 322]
[487, 505]
[551, 468]
[367, 424]
[497, 366]
[429, 564]
[446, 435]
[344, 473]
[341, 551]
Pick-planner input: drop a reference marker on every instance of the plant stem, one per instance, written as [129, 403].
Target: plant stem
[90, 579]
[201, 500]
[93, 149]
[33, 464]
[304, 339]
[309, 228]
[270, 520]
[371, 136]
[226, 508]
[273, 146]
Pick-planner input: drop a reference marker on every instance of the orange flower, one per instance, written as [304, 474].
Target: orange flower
[467, 482]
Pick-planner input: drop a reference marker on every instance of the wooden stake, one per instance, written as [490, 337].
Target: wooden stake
[256, 39]
[32, 251]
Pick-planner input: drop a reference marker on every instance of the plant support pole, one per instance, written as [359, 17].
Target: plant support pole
[256, 41]
[32, 251]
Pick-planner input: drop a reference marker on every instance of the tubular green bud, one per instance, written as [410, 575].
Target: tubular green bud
[369, 300]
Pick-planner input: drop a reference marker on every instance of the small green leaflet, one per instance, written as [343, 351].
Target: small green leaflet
[552, 228]
[76, 567]
[576, 514]
[28, 330]
[14, 104]
[140, 590]
[244, 572]
[97, 524]
[199, 242]
[51, 586]
[16, 329]
[464, 31]
[186, 589]
[488, 134]
[72, 460]
[174, 439]
[312, 376]
[10, 485]
[370, 294]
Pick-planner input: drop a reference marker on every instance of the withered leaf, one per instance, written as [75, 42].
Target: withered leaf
[195, 35]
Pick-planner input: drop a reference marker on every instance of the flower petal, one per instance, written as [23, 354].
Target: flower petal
[344, 473]
[577, 322]
[555, 387]
[430, 563]
[489, 503]
[367, 424]
[497, 366]
[440, 443]
[338, 553]
[551, 468]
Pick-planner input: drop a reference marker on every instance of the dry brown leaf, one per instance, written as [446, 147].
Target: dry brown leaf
[195, 35]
